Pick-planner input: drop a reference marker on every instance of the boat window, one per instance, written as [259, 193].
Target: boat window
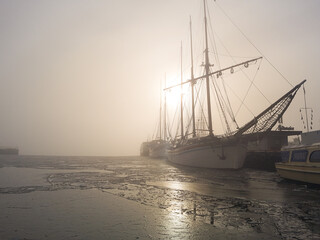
[285, 156]
[315, 156]
[299, 156]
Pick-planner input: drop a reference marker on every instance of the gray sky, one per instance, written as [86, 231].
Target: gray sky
[82, 77]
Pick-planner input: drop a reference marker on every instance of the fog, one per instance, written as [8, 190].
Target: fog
[83, 77]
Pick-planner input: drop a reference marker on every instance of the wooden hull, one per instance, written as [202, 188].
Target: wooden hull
[158, 149]
[144, 149]
[158, 153]
[209, 155]
[302, 173]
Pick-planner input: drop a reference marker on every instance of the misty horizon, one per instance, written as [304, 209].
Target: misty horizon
[82, 78]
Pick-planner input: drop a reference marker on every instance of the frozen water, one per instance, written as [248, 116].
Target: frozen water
[134, 197]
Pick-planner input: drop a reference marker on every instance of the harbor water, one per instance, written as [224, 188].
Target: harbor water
[50, 197]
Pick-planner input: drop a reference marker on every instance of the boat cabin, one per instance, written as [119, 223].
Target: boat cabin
[300, 163]
[301, 154]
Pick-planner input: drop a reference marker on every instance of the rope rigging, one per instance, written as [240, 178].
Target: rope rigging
[233, 23]
[220, 87]
[252, 83]
[222, 98]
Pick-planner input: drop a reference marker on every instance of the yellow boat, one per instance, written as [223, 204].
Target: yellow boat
[300, 163]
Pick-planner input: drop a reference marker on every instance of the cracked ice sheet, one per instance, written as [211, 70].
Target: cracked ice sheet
[92, 214]
[243, 205]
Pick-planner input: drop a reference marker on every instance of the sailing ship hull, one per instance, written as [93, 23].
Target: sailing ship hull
[158, 149]
[160, 152]
[209, 155]
[144, 149]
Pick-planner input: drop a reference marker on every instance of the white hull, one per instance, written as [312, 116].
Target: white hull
[209, 155]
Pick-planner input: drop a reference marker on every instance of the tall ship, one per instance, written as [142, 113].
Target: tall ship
[144, 149]
[200, 147]
[158, 147]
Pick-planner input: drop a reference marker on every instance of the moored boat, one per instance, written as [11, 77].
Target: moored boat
[300, 163]
[204, 148]
[158, 148]
[210, 152]
[144, 149]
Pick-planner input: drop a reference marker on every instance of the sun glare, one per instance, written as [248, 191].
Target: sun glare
[173, 97]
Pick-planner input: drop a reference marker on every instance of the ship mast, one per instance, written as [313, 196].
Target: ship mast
[305, 107]
[192, 85]
[181, 103]
[165, 110]
[160, 110]
[207, 70]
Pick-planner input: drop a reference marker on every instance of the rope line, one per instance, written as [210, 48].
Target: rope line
[254, 45]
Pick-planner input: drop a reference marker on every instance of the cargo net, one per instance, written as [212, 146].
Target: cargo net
[265, 121]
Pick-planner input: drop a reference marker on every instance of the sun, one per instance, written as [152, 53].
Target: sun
[173, 92]
[173, 96]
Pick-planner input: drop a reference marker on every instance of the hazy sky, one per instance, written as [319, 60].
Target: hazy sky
[82, 77]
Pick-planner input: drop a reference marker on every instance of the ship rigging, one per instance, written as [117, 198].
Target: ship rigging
[204, 148]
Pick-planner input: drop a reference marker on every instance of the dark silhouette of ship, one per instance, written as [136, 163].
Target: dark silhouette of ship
[9, 151]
